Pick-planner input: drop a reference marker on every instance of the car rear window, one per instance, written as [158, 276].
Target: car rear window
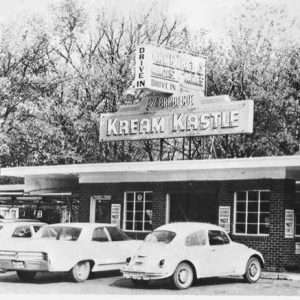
[22, 232]
[64, 233]
[160, 236]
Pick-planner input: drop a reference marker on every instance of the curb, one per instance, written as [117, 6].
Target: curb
[280, 276]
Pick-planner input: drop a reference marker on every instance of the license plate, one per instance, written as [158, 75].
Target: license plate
[18, 264]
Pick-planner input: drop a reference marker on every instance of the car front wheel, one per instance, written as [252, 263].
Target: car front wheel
[253, 270]
[183, 276]
[81, 271]
[26, 275]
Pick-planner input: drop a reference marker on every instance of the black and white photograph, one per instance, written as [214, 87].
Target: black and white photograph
[149, 148]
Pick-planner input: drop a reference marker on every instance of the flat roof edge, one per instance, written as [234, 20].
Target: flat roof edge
[176, 165]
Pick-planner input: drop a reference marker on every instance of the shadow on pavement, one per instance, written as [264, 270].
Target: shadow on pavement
[45, 278]
[167, 284]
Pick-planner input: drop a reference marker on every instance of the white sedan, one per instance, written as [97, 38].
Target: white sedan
[185, 251]
[19, 229]
[78, 248]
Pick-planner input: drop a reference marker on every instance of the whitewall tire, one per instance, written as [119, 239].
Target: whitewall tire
[183, 276]
[81, 271]
[253, 270]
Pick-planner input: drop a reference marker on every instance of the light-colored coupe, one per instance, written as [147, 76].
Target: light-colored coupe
[78, 248]
[185, 251]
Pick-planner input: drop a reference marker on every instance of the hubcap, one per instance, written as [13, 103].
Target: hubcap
[82, 270]
[183, 275]
[254, 270]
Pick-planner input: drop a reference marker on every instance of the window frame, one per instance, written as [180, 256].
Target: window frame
[296, 213]
[246, 212]
[144, 210]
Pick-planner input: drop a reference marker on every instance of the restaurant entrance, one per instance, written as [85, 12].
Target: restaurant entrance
[195, 204]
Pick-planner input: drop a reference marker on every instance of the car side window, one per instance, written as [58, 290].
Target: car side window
[116, 234]
[22, 231]
[217, 237]
[99, 235]
[36, 228]
[196, 239]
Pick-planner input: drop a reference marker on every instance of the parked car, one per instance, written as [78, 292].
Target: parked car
[19, 229]
[186, 251]
[77, 248]
[14, 228]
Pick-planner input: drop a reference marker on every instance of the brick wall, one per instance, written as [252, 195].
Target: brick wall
[117, 196]
[279, 252]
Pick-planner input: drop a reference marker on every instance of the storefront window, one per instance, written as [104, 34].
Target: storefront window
[252, 212]
[138, 211]
[297, 214]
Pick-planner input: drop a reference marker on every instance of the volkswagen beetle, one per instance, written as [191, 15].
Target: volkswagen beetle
[186, 251]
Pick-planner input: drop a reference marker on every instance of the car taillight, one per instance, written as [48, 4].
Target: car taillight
[32, 256]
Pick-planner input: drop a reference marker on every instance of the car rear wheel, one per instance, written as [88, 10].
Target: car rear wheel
[140, 283]
[183, 276]
[26, 275]
[253, 270]
[81, 271]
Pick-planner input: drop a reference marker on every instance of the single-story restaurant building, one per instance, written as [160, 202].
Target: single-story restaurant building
[255, 199]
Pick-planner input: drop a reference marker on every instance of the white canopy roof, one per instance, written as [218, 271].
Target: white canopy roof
[279, 167]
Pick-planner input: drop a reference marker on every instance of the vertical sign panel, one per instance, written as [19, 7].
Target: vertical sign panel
[224, 217]
[163, 70]
[289, 223]
[116, 214]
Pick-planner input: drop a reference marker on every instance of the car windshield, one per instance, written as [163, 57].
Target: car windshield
[160, 236]
[64, 233]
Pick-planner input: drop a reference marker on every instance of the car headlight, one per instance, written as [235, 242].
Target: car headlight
[162, 263]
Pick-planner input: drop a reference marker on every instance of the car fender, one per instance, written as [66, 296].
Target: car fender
[64, 257]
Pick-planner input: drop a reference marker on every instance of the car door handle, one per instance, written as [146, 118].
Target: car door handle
[213, 250]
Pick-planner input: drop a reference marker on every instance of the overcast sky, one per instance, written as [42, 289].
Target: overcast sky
[199, 13]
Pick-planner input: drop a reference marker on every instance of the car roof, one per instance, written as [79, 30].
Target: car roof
[184, 227]
[13, 224]
[19, 220]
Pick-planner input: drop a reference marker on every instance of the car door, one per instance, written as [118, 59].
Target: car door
[220, 254]
[121, 246]
[101, 248]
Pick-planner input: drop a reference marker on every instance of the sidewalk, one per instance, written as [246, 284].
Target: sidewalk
[280, 275]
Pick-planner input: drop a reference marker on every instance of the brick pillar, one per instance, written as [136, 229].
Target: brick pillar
[281, 248]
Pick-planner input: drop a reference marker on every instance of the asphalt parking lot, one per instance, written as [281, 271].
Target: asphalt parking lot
[112, 283]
